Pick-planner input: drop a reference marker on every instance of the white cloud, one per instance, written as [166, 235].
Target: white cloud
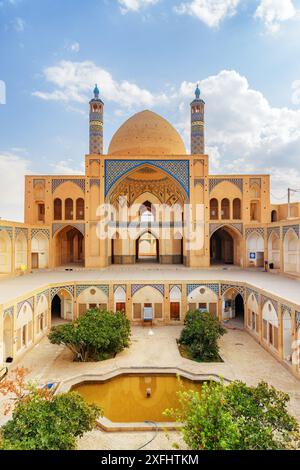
[245, 133]
[211, 12]
[13, 168]
[66, 167]
[274, 12]
[73, 82]
[19, 24]
[296, 92]
[135, 5]
[74, 47]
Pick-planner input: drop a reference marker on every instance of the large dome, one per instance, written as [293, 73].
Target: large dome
[146, 134]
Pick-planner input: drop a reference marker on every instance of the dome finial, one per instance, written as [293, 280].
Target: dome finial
[96, 92]
[197, 92]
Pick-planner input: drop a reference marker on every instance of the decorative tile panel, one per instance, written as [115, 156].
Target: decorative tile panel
[265, 299]
[123, 286]
[57, 227]
[214, 287]
[37, 231]
[297, 320]
[136, 287]
[178, 169]
[255, 181]
[252, 292]
[9, 312]
[81, 288]
[272, 230]
[214, 227]
[56, 290]
[9, 230]
[239, 289]
[258, 230]
[199, 182]
[23, 230]
[40, 294]
[57, 182]
[291, 227]
[94, 182]
[213, 182]
[30, 301]
[286, 308]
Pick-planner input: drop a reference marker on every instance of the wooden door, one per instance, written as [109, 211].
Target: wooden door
[175, 311]
[34, 260]
[121, 307]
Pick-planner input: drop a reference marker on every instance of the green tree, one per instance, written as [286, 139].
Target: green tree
[236, 417]
[200, 335]
[41, 420]
[96, 336]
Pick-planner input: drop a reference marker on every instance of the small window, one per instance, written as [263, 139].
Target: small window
[41, 212]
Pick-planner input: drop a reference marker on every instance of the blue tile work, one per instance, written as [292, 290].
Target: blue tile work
[226, 287]
[103, 287]
[178, 169]
[136, 287]
[8, 312]
[214, 287]
[56, 182]
[295, 228]
[213, 182]
[55, 290]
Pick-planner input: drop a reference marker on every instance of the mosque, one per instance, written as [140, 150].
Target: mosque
[148, 202]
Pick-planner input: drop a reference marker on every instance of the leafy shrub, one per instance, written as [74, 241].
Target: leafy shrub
[236, 417]
[41, 420]
[96, 336]
[200, 335]
[48, 424]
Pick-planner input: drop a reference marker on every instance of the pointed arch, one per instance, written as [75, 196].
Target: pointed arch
[21, 251]
[5, 252]
[291, 252]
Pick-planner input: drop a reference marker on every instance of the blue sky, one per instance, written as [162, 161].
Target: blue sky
[149, 54]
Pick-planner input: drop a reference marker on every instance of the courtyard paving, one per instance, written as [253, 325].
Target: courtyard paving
[244, 359]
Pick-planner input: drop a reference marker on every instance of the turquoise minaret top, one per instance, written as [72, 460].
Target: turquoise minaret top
[197, 92]
[96, 92]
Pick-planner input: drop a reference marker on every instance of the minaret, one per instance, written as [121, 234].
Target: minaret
[197, 124]
[96, 123]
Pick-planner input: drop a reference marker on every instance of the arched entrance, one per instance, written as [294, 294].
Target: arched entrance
[225, 247]
[255, 250]
[7, 338]
[39, 251]
[287, 336]
[56, 308]
[239, 308]
[147, 199]
[62, 306]
[20, 251]
[291, 252]
[5, 252]
[147, 248]
[69, 247]
[233, 306]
